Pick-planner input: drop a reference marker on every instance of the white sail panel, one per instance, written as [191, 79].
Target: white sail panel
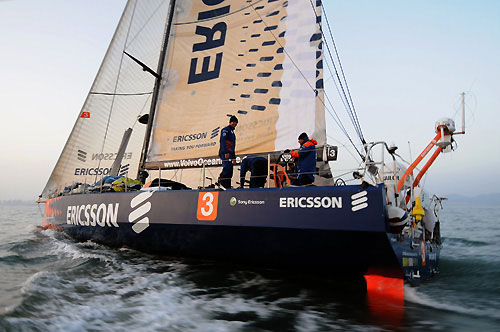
[258, 60]
[120, 93]
[302, 92]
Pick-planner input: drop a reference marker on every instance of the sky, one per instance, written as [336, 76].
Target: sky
[406, 64]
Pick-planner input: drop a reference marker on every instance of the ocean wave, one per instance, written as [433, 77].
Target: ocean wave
[15, 259]
[464, 242]
[65, 248]
[486, 255]
[31, 283]
[414, 296]
[151, 294]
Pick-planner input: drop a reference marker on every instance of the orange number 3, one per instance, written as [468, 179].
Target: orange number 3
[207, 205]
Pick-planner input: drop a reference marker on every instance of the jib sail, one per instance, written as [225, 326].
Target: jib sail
[120, 93]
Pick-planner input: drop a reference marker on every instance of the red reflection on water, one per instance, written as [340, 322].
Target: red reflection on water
[385, 299]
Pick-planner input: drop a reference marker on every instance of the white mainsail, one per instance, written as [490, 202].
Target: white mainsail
[120, 93]
[259, 60]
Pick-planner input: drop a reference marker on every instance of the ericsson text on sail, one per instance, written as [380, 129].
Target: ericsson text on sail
[215, 37]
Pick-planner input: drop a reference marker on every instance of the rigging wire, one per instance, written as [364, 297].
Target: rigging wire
[335, 117]
[116, 84]
[336, 86]
[144, 25]
[343, 74]
[342, 94]
[128, 41]
[350, 109]
[339, 123]
[343, 145]
[348, 103]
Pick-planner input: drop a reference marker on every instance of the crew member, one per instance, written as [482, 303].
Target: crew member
[305, 160]
[258, 171]
[227, 152]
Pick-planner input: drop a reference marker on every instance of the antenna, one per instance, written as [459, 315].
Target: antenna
[463, 112]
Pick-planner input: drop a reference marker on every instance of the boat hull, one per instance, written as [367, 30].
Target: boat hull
[336, 230]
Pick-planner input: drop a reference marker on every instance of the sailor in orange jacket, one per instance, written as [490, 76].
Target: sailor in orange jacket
[306, 160]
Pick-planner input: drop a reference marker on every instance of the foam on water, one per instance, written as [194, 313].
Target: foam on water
[413, 295]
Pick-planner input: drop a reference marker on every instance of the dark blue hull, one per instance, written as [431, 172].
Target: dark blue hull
[335, 230]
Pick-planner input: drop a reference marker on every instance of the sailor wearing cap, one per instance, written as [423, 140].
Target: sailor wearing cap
[227, 152]
[306, 160]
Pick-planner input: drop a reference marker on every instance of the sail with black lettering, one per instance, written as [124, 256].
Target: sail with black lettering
[258, 60]
[121, 92]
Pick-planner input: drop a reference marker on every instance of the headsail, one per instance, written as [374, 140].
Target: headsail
[120, 93]
[258, 59]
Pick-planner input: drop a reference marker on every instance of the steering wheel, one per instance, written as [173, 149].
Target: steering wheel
[285, 158]
[339, 182]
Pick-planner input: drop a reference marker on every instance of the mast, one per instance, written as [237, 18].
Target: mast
[156, 90]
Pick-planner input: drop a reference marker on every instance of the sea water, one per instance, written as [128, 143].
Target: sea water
[48, 282]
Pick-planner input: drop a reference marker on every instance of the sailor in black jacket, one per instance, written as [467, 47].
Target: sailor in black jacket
[227, 152]
[258, 171]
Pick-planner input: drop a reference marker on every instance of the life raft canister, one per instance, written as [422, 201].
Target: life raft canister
[398, 219]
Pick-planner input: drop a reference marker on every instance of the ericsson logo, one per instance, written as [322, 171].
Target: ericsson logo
[214, 133]
[359, 201]
[141, 210]
[124, 169]
[232, 201]
[82, 155]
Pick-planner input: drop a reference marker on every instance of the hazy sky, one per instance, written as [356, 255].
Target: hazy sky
[406, 64]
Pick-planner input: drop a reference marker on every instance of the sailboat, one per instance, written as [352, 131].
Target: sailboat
[140, 168]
